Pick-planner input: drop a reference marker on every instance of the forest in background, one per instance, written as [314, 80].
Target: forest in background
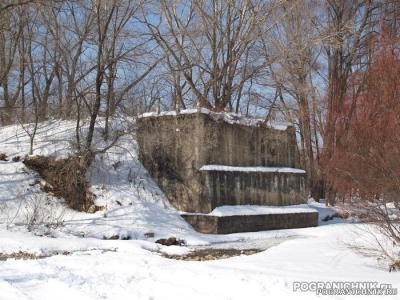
[331, 68]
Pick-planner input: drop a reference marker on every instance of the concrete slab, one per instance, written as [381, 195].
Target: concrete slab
[210, 224]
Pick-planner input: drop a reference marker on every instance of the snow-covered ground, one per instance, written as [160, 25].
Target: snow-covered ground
[80, 261]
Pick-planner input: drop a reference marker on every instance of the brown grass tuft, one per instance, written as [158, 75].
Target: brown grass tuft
[65, 178]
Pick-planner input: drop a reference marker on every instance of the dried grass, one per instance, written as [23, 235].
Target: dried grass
[65, 178]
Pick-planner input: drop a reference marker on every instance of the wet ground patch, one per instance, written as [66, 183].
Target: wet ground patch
[228, 249]
[212, 254]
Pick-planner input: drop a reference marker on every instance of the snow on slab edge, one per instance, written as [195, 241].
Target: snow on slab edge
[227, 117]
[244, 210]
[251, 169]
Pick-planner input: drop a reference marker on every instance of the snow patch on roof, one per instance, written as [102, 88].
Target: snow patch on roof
[230, 118]
[244, 210]
[251, 169]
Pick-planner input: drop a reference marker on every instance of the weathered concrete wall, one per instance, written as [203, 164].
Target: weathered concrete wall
[252, 188]
[194, 140]
[250, 223]
[238, 145]
[174, 147]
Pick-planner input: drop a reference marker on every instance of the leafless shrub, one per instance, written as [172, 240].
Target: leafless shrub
[3, 207]
[10, 213]
[33, 210]
[372, 240]
[41, 209]
[377, 234]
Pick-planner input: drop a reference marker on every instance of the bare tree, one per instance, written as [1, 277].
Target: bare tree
[110, 44]
[348, 26]
[10, 82]
[13, 24]
[366, 162]
[294, 43]
[6, 5]
[70, 25]
[213, 45]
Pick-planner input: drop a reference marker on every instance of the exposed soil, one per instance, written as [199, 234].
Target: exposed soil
[26, 255]
[225, 250]
[212, 254]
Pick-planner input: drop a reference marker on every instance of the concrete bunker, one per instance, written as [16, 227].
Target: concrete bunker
[202, 160]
